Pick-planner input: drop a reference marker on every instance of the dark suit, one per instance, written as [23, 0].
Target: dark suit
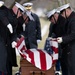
[20, 26]
[32, 32]
[4, 36]
[5, 18]
[58, 30]
[69, 40]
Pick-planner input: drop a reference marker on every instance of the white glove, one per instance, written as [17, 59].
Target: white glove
[9, 26]
[23, 26]
[38, 41]
[59, 40]
[14, 44]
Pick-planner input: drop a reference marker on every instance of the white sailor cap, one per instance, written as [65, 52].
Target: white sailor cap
[19, 6]
[50, 13]
[28, 5]
[63, 7]
[57, 11]
[1, 3]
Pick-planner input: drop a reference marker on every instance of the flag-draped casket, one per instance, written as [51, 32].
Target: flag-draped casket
[34, 61]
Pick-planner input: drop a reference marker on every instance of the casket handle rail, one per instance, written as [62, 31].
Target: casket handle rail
[37, 72]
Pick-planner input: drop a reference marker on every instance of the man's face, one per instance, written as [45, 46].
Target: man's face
[28, 7]
[54, 18]
[64, 14]
[17, 11]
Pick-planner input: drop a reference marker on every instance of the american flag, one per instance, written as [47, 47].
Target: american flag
[47, 46]
[38, 57]
[51, 47]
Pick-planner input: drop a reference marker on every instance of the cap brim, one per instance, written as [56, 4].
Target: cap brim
[27, 4]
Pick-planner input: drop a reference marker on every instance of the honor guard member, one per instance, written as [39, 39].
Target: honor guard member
[15, 13]
[56, 30]
[32, 31]
[8, 26]
[8, 23]
[19, 12]
[5, 30]
[69, 38]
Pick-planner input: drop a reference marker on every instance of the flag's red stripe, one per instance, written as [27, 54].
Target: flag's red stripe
[31, 55]
[54, 49]
[23, 48]
[42, 59]
[20, 41]
[53, 40]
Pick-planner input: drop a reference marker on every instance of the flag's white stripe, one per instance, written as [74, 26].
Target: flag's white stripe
[20, 51]
[36, 58]
[54, 44]
[21, 45]
[28, 58]
[48, 60]
[55, 56]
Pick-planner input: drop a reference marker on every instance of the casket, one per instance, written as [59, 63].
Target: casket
[28, 69]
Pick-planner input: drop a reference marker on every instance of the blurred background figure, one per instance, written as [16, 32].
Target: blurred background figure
[32, 31]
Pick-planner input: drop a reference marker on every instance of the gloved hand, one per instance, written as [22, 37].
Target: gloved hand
[1, 3]
[13, 44]
[38, 41]
[9, 26]
[59, 40]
